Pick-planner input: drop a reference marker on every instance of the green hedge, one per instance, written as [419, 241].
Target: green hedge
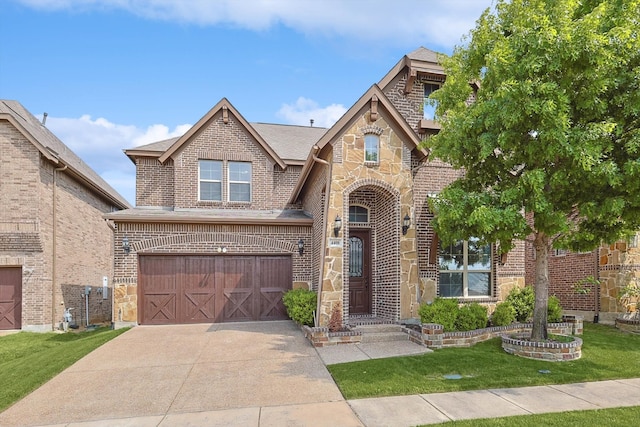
[300, 305]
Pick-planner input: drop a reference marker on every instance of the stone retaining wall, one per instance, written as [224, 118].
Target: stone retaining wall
[551, 351]
[322, 337]
[628, 325]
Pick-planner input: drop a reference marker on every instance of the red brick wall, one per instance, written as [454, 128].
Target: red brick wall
[84, 240]
[154, 182]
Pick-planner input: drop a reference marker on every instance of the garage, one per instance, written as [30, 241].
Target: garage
[177, 289]
[10, 298]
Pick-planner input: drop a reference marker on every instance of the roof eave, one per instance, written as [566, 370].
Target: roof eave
[201, 219]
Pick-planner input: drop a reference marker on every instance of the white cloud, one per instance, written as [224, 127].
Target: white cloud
[303, 110]
[100, 143]
[410, 22]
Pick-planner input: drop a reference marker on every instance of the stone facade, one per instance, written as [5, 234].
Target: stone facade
[69, 254]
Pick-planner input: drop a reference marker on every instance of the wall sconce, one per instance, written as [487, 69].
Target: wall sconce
[222, 249]
[125, 245]
[406, 222]
[337, 225]
[300, 246]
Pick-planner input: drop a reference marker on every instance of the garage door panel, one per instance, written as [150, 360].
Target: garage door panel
[10, 298]
[200, 289]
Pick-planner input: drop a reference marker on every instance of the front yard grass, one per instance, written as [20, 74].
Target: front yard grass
[28, 360]
[615, 417]
[606, 354]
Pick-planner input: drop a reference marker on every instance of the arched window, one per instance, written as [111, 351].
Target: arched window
[358, 214]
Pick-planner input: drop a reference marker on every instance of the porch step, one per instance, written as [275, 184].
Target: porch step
[381, 333]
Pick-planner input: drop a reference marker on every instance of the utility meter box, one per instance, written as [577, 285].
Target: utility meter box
[105, 287]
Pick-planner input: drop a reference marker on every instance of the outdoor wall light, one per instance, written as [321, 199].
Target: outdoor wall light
[337, 225]
[222, 249]
[300, 246]
[125, 245]
[406, 222]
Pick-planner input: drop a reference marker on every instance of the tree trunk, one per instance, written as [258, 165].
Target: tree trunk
[542, 245]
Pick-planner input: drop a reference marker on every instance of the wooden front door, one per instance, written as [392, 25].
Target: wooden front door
[360, 285]
[10, 298]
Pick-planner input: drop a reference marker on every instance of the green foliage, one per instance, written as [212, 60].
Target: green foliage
[471, 316]
[300, 305]
[522, 300]
[442, 311]
[503, 315]
[28, 359]
[554, 310]
[553, 130]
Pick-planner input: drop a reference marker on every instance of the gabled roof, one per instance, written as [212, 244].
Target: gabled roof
[292, 143]
[383, 104]
[56, 151]
[225, 106]
[421, 60]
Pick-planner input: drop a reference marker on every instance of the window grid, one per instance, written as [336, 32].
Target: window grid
[371, 148]
[239, 180]
[464, 271]
[210, 177]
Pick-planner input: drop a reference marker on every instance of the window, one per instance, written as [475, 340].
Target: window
[465, 269]
[210, 180]
[430, 106]
[239, 182]
[358, 214]
[371, 148]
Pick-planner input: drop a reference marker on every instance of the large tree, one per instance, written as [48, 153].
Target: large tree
[541, 109]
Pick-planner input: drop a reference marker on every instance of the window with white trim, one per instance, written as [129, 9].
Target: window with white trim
[239, 181]
[464, 269]
[371, 148]
[358, 214]
[210, 174]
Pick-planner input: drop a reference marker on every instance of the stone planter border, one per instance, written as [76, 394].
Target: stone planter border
[551, 351]
[631, 324]
[322, 337]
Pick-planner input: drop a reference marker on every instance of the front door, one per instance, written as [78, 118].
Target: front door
[360, 271]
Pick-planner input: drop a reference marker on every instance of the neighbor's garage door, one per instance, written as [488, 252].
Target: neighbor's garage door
[201, 289]
[10, 298]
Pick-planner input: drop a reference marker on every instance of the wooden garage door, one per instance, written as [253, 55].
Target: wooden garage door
[10, 298]
[201, 289]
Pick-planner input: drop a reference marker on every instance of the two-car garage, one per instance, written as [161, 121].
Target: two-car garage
[176, 289]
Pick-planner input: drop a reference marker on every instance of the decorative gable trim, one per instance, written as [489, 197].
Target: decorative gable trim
[226, 108]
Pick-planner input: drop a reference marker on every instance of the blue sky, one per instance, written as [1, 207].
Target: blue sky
[116, 74]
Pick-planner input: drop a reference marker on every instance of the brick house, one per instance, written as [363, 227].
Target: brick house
[614, 266]
[232, 213]
[54, 240]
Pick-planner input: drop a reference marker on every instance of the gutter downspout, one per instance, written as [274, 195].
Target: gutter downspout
[113, 227]
[54, 251]
[323, 243]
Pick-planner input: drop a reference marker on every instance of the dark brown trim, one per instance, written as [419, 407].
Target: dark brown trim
[203, 220]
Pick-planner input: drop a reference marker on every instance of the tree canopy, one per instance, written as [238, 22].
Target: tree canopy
[541, 108]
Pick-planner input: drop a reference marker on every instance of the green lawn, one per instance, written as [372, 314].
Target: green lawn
[606, 354]
[617, 417]
[28, 360]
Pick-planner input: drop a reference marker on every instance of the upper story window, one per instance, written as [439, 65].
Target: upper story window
[210, 172]
[465, 269]
[358, 214]
[371, 148]
[429, 107]
[239, 181]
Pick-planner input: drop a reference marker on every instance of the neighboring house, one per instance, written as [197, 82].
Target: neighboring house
[614, 266]
[232, 213]
[54, 241]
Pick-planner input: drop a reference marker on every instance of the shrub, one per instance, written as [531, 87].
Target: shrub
[554, 310]
[471, 316]
[442, 311]
[503, 315]
[522, 301]
[300, 305]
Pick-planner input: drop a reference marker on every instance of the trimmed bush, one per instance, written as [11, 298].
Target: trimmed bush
[522, 301]
[554, 310]
[300, 305]
[503, 315]
[442, 311]
[471, 316]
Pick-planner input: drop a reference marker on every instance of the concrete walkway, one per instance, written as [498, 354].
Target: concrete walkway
[264, 374]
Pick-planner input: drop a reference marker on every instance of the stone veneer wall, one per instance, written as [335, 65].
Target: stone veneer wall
[619, 265]
[392, 181]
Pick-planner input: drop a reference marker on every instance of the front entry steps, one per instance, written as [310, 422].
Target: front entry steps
[381, 333]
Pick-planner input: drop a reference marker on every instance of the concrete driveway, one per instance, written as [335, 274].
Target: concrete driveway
[259, 373]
